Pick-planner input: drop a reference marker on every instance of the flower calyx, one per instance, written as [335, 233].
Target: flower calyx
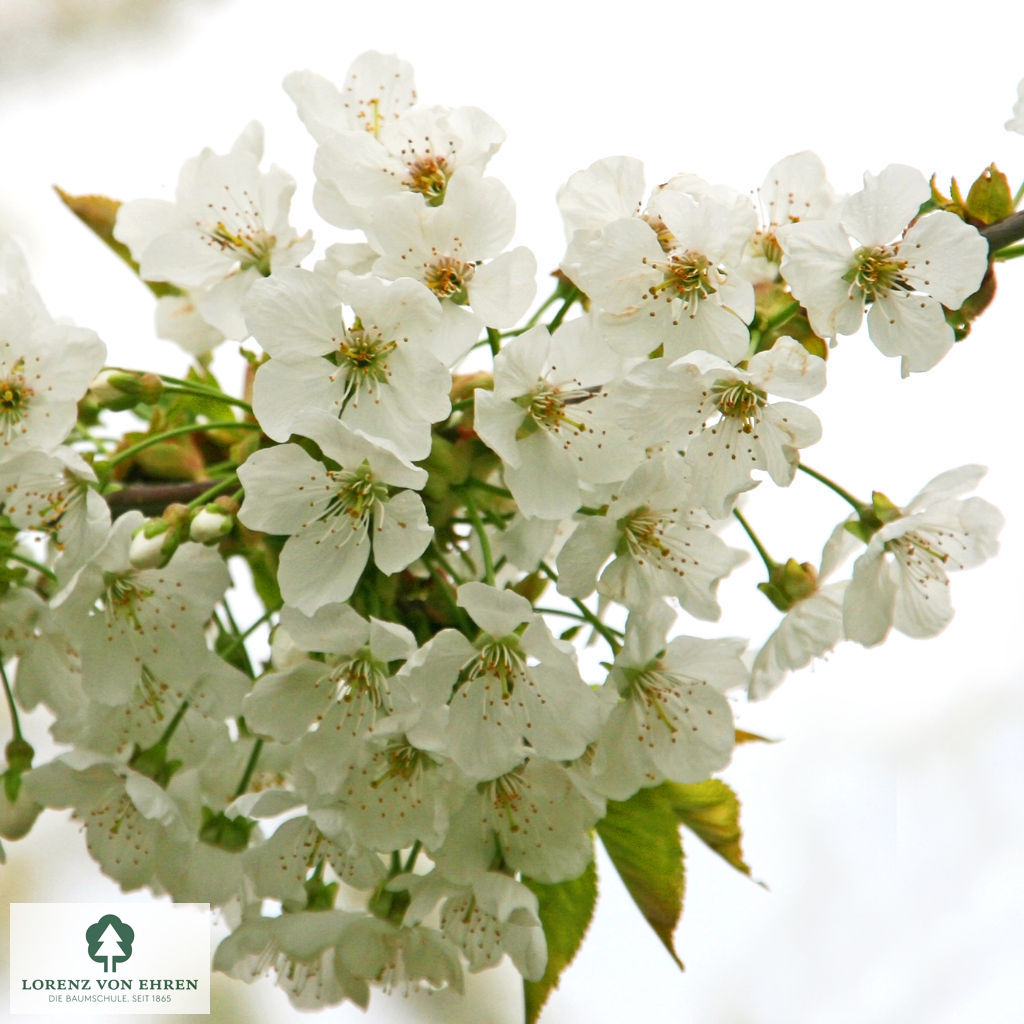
[789, 582]
[871, 518]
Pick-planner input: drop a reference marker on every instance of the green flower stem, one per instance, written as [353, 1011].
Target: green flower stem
[442, 560]
[188, 428]
[556, 320]
[538, 313]
[566, 614]
[462, 403]
[494, 340]
[172, 725]
[481, 485]
[485, 544]
[410, 861]
[14, 556]
[1010, 252]
[769, 562]
[445, 588]
[217, 488]
[236, 634]
[860, 506]
[250, 767]
[782, 316]
[242, 637]
[586, 613]
[11, 706]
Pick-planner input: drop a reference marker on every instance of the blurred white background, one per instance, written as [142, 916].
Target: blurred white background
[888, 822]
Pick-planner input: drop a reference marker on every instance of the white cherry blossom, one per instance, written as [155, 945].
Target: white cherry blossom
[533, 815]
[1016, 123]
[669, 719]
[53, 493]
[794, 190]
[901, 580]
[301, 950]
[379, 374]
[493, 916]
[668, 278]
[330, 515]
[420, 152]
[906, 269]
[227, 227]
[457, 251]
[378, 89]
[126, 815]
[548, 418]
[128, 623]
[659, 542]
[744, 431]
[45, 367]
[608, 190]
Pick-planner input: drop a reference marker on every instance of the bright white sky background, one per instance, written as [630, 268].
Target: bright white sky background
[888, 822]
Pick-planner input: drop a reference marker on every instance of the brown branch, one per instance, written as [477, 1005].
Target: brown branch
[1004, 232]
[152, 499]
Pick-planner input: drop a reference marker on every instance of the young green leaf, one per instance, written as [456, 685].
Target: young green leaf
[712, 811]
[565, 910]
[641, 836]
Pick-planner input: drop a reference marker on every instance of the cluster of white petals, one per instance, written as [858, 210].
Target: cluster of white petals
[434, 543]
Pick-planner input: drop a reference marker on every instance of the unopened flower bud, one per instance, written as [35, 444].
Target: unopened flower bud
[17, 816]
[210, 523]
[156, 540]
[121, 389]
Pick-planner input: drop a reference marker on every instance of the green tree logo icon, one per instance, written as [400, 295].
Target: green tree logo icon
[110, 942]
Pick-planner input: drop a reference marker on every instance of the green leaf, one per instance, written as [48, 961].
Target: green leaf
[711, 810]
[641, 836]
[990, 197]
[565, 910]
[99, 214]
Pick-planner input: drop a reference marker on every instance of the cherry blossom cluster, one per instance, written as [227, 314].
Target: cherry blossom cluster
[442, 500]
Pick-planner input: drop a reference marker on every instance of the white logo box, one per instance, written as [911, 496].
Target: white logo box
[89, 959]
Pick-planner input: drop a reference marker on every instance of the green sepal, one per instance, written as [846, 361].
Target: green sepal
[320, 895]
[990, 198]
[389, 905]
[153, 763]
[12, 785]
[711, 811]
[230, 834]
[954, 203]
[527, 428]
[788, 583]
[565, 910]
[641, 836]
[860, 530]
[873, 517]
[19, 755]
[99, 214]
